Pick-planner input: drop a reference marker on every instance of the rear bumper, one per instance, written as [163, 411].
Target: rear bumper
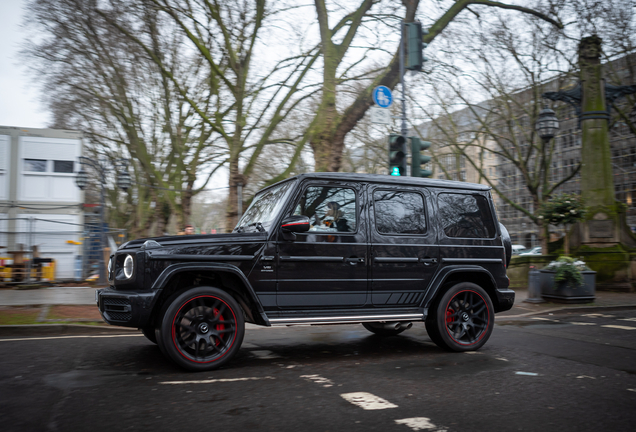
[125, 308]
[505, 300]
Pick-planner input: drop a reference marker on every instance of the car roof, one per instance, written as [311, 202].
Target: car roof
[393, 180]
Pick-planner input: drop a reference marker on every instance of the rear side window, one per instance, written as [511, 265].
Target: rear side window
[466, 216]
[399, 212]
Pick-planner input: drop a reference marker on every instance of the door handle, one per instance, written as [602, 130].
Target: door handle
[355, 260]
[428, 261]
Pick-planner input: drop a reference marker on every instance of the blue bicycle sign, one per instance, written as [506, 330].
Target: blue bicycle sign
[382, 96]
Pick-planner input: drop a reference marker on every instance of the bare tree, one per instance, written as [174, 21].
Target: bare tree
[97, 81]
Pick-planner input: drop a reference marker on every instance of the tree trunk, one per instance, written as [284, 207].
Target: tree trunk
[236, 178]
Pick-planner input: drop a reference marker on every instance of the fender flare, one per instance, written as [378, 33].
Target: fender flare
[174, 269]
[442, 276]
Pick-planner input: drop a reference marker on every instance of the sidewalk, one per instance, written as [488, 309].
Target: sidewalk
[76, 305]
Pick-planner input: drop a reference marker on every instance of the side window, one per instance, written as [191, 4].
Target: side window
[398, 212]
[329, 209]
[464, 215]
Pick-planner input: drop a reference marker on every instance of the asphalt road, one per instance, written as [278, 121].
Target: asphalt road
[567, 372]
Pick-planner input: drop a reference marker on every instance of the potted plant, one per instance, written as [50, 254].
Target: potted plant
[568, 280]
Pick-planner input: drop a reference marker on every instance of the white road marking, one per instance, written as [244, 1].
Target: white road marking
[367, 401]
[264, 354]
[417, 423]
[69, 337]
[619, 327]
[469, 352]
[318, 380]
[598, 315]
[220, 380]
[527, 373]
[501, 358]
[541, 319]
[582, 323]
[585, 376]
[627, 319]
[634, 390]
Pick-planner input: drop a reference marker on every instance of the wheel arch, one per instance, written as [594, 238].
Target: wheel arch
[177, 278]
[452, 275]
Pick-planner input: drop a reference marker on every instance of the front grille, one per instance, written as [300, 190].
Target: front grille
[117, 309]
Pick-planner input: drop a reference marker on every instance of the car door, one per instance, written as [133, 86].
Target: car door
[326, 266]
[404, 246]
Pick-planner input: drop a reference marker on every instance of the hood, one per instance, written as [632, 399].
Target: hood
[195, 240]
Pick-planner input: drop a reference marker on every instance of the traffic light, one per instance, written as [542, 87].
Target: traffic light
[418, 159]
[414, 46]
[397, 155]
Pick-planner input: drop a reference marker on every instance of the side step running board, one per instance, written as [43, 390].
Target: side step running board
[345, 319]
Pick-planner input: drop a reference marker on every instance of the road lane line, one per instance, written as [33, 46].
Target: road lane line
[69, 337]
[367, 401]
[219, 380]
[582, 323]
[417, 423]
[527, 373]
[627, 319]
[619, 327]
[318, 380]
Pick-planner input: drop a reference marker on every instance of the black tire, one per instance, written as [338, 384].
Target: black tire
[380, 330]
[202, 329]
[462, 319]
[149, 332]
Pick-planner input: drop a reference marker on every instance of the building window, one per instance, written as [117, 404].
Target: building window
[35, 165]
[63, 167]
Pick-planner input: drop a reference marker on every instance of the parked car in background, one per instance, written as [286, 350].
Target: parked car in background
[518, 249]
[534, 251]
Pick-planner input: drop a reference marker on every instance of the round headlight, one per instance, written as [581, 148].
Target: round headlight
[128, 266]
[110, 268]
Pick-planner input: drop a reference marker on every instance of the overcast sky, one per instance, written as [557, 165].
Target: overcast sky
[20, 104]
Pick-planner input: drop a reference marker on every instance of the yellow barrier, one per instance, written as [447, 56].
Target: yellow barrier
[45, 273]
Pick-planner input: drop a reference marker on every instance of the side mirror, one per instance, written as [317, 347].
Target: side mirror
[295, 224]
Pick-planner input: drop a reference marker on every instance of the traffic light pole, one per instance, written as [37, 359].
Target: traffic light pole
[402, 54]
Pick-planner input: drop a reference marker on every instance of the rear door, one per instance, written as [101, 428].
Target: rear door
[404, 248]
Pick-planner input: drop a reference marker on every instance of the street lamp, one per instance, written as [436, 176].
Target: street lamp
[547, 124]
[123, 182]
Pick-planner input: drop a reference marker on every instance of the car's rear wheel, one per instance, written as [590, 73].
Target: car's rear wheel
[202, 329]
[387, 329]
[463, 319]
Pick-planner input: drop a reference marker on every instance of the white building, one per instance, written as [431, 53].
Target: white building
[40, 205]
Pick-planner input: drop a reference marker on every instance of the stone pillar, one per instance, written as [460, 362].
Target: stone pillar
[597, 182]
[605, 226]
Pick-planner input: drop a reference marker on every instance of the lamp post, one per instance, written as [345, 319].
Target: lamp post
[547, 124]
[123, 182]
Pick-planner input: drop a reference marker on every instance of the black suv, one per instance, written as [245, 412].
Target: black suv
[321, 248]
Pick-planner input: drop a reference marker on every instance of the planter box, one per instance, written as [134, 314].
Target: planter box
[566, 293]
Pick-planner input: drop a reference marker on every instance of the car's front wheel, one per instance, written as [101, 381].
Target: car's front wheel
[202, 329]
[463, 319]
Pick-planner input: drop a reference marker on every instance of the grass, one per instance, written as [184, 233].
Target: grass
[19, 316]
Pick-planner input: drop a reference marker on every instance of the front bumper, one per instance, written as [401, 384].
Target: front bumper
[505, 300]
[125, 308]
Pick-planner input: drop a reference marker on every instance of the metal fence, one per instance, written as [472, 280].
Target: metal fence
[48, 249]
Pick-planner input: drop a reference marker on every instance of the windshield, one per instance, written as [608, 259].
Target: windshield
[264, 208]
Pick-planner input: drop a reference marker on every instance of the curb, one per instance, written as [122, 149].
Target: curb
[561, 310]
[61, 329]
